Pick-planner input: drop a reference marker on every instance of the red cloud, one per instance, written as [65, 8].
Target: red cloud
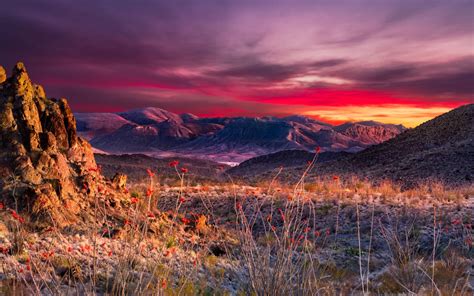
[344, 97]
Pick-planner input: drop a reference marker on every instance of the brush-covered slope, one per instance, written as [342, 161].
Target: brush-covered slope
[442, 148]
[270, 164]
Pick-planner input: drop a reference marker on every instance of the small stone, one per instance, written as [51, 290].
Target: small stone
[201, 224]
[119, 180]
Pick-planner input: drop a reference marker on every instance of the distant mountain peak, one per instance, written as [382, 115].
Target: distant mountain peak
[304, 119]
[150, 115]
[233, 139]
[189, 117]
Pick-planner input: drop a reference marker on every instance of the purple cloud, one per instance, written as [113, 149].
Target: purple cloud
[206, 55]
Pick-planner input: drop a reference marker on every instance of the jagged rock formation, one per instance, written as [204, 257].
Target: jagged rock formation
[44, 165]
[370, 132]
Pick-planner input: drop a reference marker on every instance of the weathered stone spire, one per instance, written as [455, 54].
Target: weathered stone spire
[39, 146]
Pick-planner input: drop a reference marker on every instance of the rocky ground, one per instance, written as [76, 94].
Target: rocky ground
[192, 243]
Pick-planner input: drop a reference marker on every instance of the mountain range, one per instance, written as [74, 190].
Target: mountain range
[440, 149]
[157, 132]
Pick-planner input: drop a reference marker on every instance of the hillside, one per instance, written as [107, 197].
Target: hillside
[270, 164]
[92, 125]
[439, 149]
[369, 132]
[442, 148]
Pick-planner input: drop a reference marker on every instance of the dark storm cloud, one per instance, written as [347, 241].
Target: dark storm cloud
[91, 32]
[384, 75]
[454, 79]
[265, 72]
[260, 70]
[454, 84]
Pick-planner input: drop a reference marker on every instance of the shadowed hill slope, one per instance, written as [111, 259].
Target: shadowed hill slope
[440, 149]
[268, 165]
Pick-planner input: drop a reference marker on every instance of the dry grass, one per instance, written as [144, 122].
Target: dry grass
[329, 236]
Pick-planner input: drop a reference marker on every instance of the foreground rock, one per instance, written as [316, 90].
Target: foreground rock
[45, 168]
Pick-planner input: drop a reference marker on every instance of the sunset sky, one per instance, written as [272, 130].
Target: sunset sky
[392, 61]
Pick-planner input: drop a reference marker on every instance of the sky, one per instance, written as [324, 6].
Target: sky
[394, 61]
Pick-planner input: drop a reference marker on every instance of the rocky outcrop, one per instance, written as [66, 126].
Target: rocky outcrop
[44, 165]
[370, 132]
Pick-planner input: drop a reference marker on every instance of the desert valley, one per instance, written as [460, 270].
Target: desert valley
[301, 219]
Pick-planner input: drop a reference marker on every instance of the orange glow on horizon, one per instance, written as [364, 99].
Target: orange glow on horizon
[409, 116]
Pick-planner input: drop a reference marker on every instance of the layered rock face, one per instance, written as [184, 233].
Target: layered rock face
[44, 165]
[370, 133]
